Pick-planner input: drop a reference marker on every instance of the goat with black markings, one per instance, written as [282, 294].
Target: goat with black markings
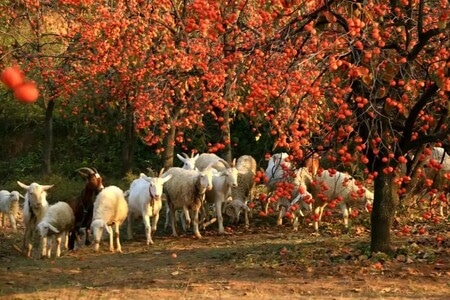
[83, 205]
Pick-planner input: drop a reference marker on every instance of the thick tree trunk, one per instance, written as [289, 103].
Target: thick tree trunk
[48, 140]
[227, 154]
[129, 143]
[169, 145]
[384, 206]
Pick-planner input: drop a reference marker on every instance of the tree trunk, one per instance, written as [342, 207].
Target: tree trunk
[227, 155]
[48, 140]
[169, 145]
[384, 205]
[129, 143]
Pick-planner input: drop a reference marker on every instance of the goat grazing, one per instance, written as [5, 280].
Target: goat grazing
[332, 188]
[243, 192]
[56, 223]
[9, 206]
[83, 205]
[186, 190]
[34, 210]
[144, 199]
[110, 208]
[280, 174]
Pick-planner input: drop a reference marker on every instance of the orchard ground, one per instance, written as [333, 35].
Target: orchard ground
[261, 262]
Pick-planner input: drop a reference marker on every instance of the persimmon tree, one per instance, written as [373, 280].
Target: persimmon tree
[33, 38]
[375, 78]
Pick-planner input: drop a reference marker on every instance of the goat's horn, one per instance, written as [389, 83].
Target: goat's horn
[227, 165]
[161, 172]
[95, 170]
[233, 163]
[89, 170]
[185, 155]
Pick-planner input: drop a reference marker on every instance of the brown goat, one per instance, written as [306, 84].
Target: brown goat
[83, 205]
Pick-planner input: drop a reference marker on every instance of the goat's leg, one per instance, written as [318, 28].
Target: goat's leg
[172, 220]
[195, 223]
[317, 217]
[345, 213]
[12, 220]
[167, 221]
[111, 237]
[44, 245]
[148, 230]
[3, 220]
[27, 242]
[72, 237]
[49, 247]
[155, 222]
[58, 239]
[187, 216]
[219, 216]
[117, 237]
[87, 241]
[129, 229]
[246, 216]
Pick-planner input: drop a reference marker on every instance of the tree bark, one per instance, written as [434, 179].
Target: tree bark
[48, 140]
[169, 145]
[383, 212]
[227, 154]
[129, 143]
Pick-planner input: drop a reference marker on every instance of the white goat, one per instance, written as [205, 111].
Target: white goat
[34, 210]
[436, 167]
[280, 171]
[110, 208]
[57, 222]
[188, 162]
[275, 170]
[243, 193]
[337, 188]
[223, 180]
[9, 206]
[145, 200]
[186, 190]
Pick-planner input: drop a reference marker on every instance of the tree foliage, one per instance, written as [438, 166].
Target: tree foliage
[363, 83]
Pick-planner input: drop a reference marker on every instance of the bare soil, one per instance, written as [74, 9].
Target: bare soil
[262, 262]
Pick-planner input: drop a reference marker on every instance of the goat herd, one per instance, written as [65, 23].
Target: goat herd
[203, 181]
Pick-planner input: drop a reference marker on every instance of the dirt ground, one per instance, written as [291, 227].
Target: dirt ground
[262, 262]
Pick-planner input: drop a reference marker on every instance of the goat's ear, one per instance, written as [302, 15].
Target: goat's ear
[47, 187]
[166, 178]
[22, 185]
[53, 228]
[142, 175]
[196, 156]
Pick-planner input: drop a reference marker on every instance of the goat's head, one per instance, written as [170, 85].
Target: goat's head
[188, 162]
[97, 227]
[231, 173]
[274, 169]
[36, 193]
[15, 196]
[155, 188]
[94, 181]
[44, 227]
[205, 179]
